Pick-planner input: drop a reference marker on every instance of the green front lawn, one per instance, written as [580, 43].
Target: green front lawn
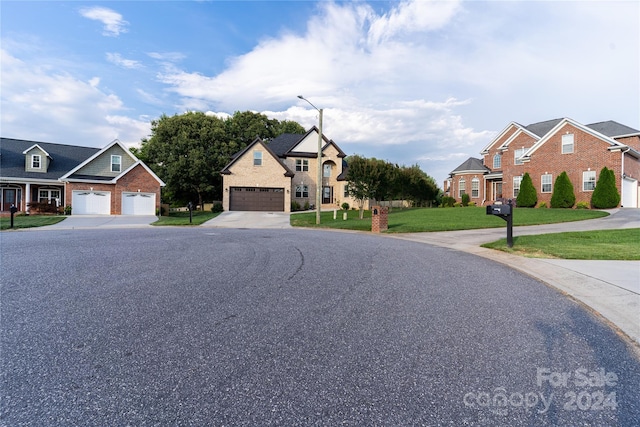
[444, 219]
[24, 221]
[589, 245]
[182, 218]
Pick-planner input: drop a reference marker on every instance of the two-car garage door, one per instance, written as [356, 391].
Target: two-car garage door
[256, 199]
[92, 202]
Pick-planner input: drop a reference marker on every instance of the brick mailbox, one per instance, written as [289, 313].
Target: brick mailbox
[379, 219]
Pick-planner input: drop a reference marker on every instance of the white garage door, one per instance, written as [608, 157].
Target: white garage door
[91, 203]
[629, 193]
[138, 203]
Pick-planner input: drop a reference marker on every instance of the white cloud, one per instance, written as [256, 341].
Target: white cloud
[55, 106]
[116, 58]
[113, 22]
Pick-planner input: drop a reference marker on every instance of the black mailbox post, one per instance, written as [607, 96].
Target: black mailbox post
[13, 211]
[190, 206]
[505, 212]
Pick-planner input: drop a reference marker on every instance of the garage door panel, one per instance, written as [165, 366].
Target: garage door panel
[256, 199]
[138, 203]
[91, 202]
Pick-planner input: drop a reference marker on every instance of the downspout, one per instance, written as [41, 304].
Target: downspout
[484, 189]
[622, 175]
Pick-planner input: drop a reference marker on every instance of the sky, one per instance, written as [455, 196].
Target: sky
[410, 81]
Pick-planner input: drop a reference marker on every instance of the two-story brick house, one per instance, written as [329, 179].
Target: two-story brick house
[270, 176]
[545, 150]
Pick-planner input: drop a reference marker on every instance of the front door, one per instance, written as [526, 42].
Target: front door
[497, 190]
[327, 195]
[10, 196]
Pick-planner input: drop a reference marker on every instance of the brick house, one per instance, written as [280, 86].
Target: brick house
[270, 176]
[107, 181]
[545, 150]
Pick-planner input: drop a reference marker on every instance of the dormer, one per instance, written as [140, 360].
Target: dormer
[36, 159]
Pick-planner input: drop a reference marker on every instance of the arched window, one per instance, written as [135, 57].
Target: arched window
[497, 161]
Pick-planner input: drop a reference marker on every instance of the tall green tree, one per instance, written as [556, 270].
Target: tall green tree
[363, 178]
[563, 195]
[605, 195]
[527, 197]
[188, 151]
[415, 185]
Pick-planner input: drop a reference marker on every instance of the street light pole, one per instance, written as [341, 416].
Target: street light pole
[319, 177]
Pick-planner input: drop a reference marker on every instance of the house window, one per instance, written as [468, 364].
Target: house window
[257, 158]
[462, 187]
[516, 185]
[302, 165]
[475, 188]
[35, 161]
[302, 191]
[116, 163]
[567, 143]
[346, 190]
[588, 180]
[327, 170]
[49, 196]
[546, 181]
[497, 161]
[517, 156]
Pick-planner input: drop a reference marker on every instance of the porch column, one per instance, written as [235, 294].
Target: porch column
[27, 196]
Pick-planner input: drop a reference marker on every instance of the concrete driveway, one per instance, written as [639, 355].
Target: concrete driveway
[241, 219]
[101, 221]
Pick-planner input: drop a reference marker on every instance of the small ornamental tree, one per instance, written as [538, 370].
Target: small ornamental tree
[563, 195]
[605, 195]
[465, 199]
[527, 197]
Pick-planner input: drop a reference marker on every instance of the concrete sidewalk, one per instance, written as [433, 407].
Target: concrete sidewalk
[610, 288]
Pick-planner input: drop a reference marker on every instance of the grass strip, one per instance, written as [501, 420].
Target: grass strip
[585, 245]
[29, 221]
[419, 220]
[182, 218]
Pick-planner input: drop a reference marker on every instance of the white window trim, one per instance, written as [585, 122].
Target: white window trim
[462, 187]
[517, 154]
[118, 162]
[550, 183]
[497, 164]
[257, 158]
[475, 188]
[33, 161]
[566, 143]
[518, 180]
[586, 174]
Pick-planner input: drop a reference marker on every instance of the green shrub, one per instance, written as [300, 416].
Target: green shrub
[465, 199]
[448, 201]
[472, 203]
[605, 195]
[527, 197]
[542, 205]
[307, 206]
[295, 206]
[457, 204]
[582, 205]
[67, 210]
[217, 207]
[563, 195]
[345, 206]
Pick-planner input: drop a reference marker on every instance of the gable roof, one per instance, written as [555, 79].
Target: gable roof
[226, 170]
[587, 129]
[38, 147]
[63, 158]
[284, 145]
[72, 176]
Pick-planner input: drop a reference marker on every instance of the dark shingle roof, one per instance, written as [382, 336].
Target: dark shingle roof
[63, 158]
[471, 164]
[542, 128]
[613, 129]
[285, 142]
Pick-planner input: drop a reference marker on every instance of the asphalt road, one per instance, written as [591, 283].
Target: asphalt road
[199, 327]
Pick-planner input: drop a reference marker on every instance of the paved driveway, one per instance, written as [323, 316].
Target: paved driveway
[241, 219]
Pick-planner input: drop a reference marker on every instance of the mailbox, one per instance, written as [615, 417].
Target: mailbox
[499, 210]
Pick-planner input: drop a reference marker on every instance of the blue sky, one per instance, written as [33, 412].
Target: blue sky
[407, 81]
